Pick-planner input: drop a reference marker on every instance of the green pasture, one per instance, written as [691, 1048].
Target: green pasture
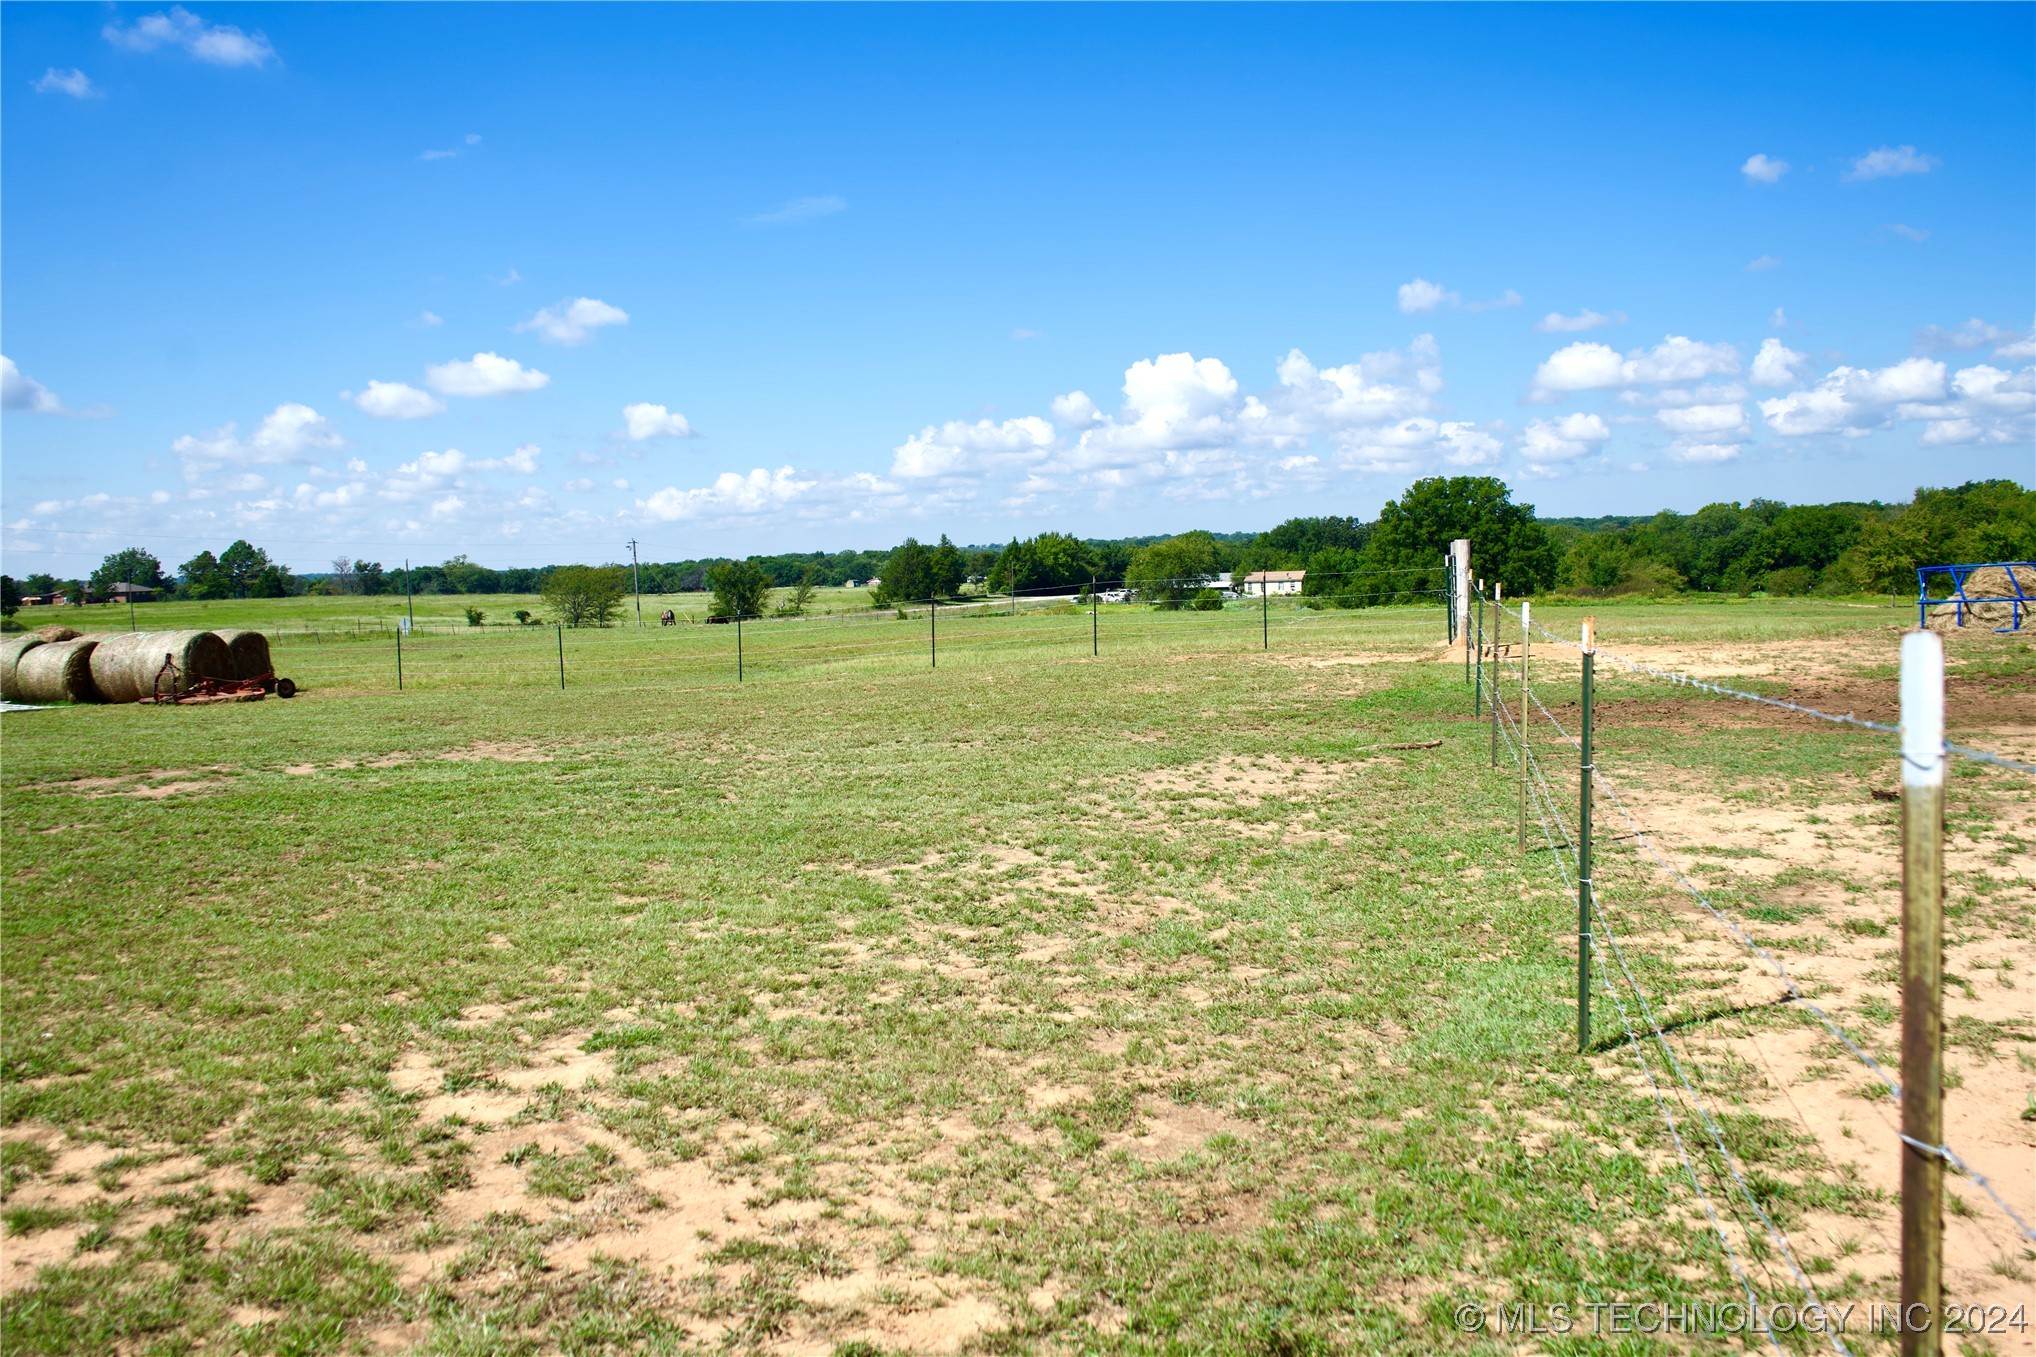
[1140, 1002]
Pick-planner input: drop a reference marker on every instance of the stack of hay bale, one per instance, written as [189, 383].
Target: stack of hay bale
[127, 667]
[1990, 594]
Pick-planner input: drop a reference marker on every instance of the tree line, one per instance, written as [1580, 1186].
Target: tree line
[1762, 546]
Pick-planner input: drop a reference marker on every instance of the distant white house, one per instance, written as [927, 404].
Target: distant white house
[1273, 582]
[852, 584]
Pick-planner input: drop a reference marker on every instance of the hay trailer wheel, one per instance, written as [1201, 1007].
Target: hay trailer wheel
[286, 687]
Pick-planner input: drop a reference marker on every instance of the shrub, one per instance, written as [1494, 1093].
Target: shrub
[522, 616]
[1207, 601]
[475, 617]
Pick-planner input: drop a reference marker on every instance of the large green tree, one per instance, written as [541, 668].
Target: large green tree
[907, 576]
[741, 589]
[130, 566]
[1052, 560]
[1166, 574]
[1404, 557]
[240, 565]
[585, 595]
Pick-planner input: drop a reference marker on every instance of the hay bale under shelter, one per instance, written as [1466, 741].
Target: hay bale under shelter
[57, 631]
[125, 666]
[250, 653]
[1989, 592]
[11, 651]
[57, 671]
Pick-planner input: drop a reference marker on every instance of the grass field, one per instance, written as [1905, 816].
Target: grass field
[1147, 1002]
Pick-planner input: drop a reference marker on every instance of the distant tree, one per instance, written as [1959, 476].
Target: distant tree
[741, 589]
[1052, 560]
[274, 581]
[1333, 578]
[201, 577]
[10, 596]
[240, 565]
[801, 597]
[345, 580]
[39, 583]
[1302, 537]
[585, 595]
[907, 576]
[1166, 573]
[131, 566]
[1404, 555]
[946, 570]
[369, 577]
[1206, 601]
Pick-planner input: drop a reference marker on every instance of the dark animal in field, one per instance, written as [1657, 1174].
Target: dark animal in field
[667, 617]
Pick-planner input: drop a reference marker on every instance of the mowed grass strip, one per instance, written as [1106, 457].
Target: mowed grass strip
[1039, 1001]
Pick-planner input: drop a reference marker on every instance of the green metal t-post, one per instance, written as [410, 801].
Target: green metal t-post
[1265, 614]
[562, 656]
[738, 645]
[399, 659]
[1095, 637]
[1583, 857]
[933, 630]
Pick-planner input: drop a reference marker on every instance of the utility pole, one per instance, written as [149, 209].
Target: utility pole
[130, 602]
[1922, 1288]
[636, 581]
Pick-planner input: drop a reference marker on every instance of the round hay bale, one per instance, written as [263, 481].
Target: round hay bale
[250, 653]
[125, 667]
[56, 631]
[58, 671]
[11, 651]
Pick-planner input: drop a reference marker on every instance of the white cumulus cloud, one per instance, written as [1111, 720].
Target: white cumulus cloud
[19, 391]
[574, 321]
[216, 44]
[729, 494]
[291, 432]
[1421, 296]
[960, 448]
[644, 421]
[1587, 366]
[1557, 323]
[1549, 443]
[1888, 161]
[396, 400]
[1854, 401]
[485, 374]
[1777, 364]
[73, 82]
[1764, 169]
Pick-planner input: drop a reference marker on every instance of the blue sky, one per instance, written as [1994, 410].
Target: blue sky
[528, 281]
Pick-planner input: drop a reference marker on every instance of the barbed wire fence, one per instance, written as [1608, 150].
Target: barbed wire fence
[1915, 1129]
[861, 635]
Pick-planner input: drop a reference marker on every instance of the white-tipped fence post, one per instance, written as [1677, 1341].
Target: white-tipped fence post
[1522, 723]
[1922, 992]
[1459, 557]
